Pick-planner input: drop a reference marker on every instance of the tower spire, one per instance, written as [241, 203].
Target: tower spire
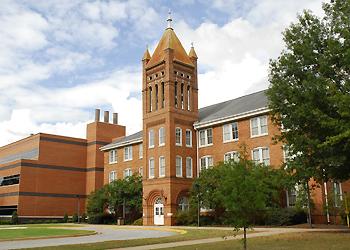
[169, 20]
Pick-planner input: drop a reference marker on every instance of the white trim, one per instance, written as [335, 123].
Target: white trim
[126, 143]
[128, 170]
[115, 156]
[141, 147]
[189, 176]
[259, 111]
[149, 138]
[178, 144]
[206, 137]
[223, 132]
[161, 176]
[191, 137]
[231, 152]
[181, 174]
[149, 168]
[161, 144]
[261, 159]
[259, 126]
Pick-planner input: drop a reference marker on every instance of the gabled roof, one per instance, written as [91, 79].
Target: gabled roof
[237, 106]
[169, 40]
[125, 140]
[247, 105]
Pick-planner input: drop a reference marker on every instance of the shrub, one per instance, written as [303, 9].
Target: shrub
[83, 217]
[75, 218]
[285, 216]
[101, 219]
[14, 218]
[138, 222]
[65, 218]
[185, 218]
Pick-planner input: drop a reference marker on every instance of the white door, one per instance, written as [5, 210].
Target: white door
[158, 212]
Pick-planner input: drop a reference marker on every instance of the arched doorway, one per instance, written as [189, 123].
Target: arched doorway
[158, 212]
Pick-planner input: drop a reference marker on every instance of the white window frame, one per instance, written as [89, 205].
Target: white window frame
[259, 118]
[161, 167]
[161, 136]
[149, 168]
[261, 159]
[337, 203]
[176, 130]
[177, 167]
[232, 156]
[205, 131]
[141, 151]
[112, 176]
[189, 171]
[207, 165]
[229, 126]
[190, 138]
[127, 172]
[141, 171]
[128, 153]
[151, 138]
[112, 156]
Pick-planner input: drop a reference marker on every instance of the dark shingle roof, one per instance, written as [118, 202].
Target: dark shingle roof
[233, 107]
[214, 112]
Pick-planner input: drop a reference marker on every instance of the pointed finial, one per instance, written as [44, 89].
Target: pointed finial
[192, 44]
[169, 20]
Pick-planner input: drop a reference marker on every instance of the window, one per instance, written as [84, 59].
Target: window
[151, 168]
[234, 155]
[151, 138]
[150, 99]
[286, 154]
[182, 95]
[338, 196]
[141, 171]
[9, 180]
[127, 172]
[291, 196]
[128, 153]
[188, 98]
[175, 93]
[162, 166]
[261, 155]
[189, 169]
[258, 126]
[161, 133]
[141, 151]
[112, 156]
[112, 176]
[230, 132]
[206, 162]
[188, 138]
[206, 137]
[184, 204]
[178, 166]
[178, 136]
[156, 108]
[163, 97]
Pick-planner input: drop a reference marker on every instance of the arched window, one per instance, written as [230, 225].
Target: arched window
[188, 98]
[150, 99]
[156, 107]
[182, 96]
[184, 204]
[175, 93]
[158, 201]
[163, 97]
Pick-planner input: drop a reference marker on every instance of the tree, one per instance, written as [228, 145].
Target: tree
[309, 94]
[247, 189]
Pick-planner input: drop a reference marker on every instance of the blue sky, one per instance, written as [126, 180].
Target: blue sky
[61, 59]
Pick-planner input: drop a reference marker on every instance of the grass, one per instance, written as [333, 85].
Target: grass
[43, 225]
[191, 234]
[291, 241]
[39, 232]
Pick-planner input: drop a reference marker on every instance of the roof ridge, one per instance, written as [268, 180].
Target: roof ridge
[233, 99]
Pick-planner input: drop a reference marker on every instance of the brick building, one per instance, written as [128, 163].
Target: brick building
[46, 176]
[49, 175]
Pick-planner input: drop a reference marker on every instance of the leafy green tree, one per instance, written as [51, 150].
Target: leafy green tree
[309, 94]
[14, 218]
[246, 189]
[97, 201]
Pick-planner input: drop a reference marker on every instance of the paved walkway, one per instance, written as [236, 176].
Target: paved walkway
[104, 233]
[258, 232]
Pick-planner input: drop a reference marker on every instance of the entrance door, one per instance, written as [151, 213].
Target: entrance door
[158, 212]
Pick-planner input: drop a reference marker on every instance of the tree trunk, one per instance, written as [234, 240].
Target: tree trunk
[245, 238]
[308, 203]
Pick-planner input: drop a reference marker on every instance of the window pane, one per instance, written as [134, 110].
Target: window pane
[151, 168]
[254, 128]
[227, 132]
[178, 136]
[188, 138]
[188, 167]
[141, 151]
[178, 166]
[210, 136]
[151, 138]
[202, 137]
[210, 161]
[256, 155]
[161, 166]
[266, 156]
[235, 131]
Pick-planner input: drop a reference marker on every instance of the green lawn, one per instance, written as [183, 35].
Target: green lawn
[39, 232]
[190, 235]
[292, 241]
